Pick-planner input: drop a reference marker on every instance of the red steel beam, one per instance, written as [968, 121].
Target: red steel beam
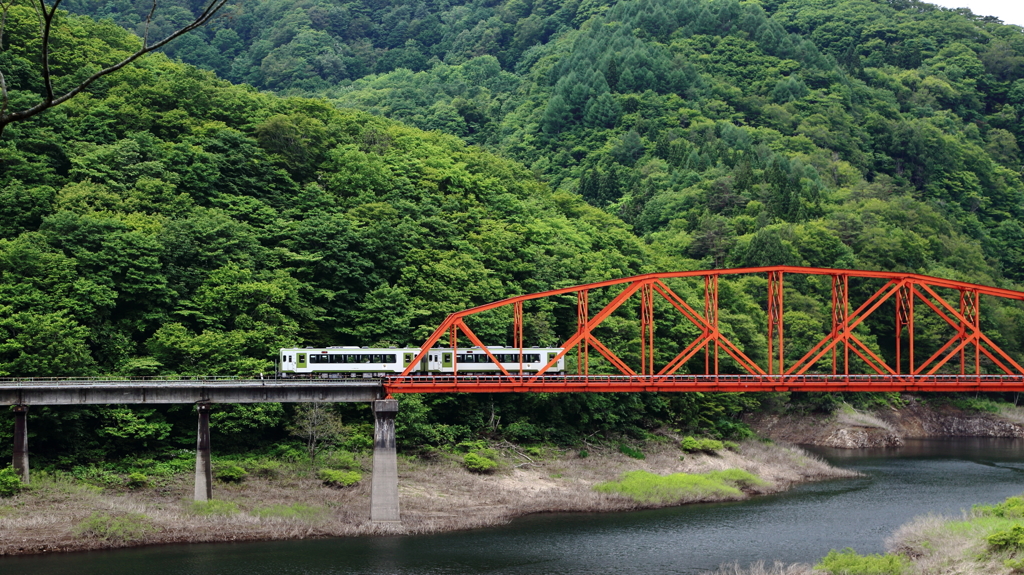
[706, 383]
[905, 287]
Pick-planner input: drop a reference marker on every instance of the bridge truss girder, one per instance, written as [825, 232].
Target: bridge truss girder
[840, 344]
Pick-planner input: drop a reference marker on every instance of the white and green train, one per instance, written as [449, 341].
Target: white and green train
[343, 362]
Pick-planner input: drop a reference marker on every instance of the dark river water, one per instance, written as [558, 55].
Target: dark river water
[803, 524]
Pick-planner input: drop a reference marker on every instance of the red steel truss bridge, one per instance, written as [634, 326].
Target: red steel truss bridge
[847, 357]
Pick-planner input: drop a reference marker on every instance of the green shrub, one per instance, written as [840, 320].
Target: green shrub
[534, 451]
[97, 476]
[631, 452]
[848, 562]
[338, 478]
[647, 487]
[584, 454]
[339, 460]
[290, 452]
[692, 444]
[711, 445]
[265, 468]
[1016, 565]
[10, 482]
[181, 463]
[136, 480]
[213, 507]
[478, 463]
[359, 438]
[1012, 508]
[230, 473]
[130, 527]
[737, 477]
[296, 511]
[977, 404]
[470, 446]
[1011, 539]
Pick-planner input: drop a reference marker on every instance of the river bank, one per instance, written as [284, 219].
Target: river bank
[849, 428]
[987, 539]
[437, 494]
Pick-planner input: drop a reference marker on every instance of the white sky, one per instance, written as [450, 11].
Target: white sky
[1009, 11]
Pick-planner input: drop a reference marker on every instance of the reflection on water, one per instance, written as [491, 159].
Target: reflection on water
[800, 525]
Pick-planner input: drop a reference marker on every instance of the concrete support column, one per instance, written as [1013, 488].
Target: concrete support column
[20, 460]
[204, 473]
[384, 483]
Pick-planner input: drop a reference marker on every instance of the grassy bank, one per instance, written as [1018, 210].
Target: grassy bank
[272, 498]
[987, 540]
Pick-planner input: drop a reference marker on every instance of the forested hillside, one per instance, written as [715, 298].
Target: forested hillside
[171, 222]
[700, 123]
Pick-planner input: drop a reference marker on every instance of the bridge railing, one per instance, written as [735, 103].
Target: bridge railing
[677, 383]
[180, 380]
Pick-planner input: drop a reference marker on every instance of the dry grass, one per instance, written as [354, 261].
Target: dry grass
[1012, 413]
[847, 415]
[435, 495]
[945, 545]
[759, 568]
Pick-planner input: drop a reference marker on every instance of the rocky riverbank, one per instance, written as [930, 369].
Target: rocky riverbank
[437, 494]
[849, 428]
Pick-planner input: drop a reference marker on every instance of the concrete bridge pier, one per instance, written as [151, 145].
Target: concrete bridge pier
[20, 459]
[204, 472]
[384, 483]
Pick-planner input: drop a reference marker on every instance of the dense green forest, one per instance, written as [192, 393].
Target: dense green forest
[169, 221]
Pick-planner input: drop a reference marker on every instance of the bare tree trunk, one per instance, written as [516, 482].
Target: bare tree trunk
[47, 13]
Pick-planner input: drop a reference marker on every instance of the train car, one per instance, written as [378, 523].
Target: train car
[349, 362]
[339, 362]
[476, 360]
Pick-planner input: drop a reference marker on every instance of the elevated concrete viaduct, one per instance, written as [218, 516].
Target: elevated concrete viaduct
[23, 393]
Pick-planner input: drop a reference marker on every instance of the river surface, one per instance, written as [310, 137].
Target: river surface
[801, 525]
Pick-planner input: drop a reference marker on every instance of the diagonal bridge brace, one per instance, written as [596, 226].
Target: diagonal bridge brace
[709, 334]
[842, 332]
[963, 325]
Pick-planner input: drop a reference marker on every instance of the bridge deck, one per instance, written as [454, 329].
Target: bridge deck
[83, 391]
[707, 383]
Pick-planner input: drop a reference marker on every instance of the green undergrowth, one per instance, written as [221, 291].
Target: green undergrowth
[478, 462]
[297, 511]
[161, 470]
[631, 452]
[1012, 508]
[996, 530]
[10, 483]
[128, 527]
[849, 562]
[706, 445]
[213, 507]
[647, 487]
[339, 478]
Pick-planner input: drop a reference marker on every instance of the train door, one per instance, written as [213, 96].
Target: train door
[300, 360]
[551, 356]
[446, 361]
[433, 360]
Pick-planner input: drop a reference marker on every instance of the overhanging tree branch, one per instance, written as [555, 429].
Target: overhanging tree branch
[50, 98]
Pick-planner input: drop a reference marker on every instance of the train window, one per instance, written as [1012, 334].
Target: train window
[390, 358]
[531, 358]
